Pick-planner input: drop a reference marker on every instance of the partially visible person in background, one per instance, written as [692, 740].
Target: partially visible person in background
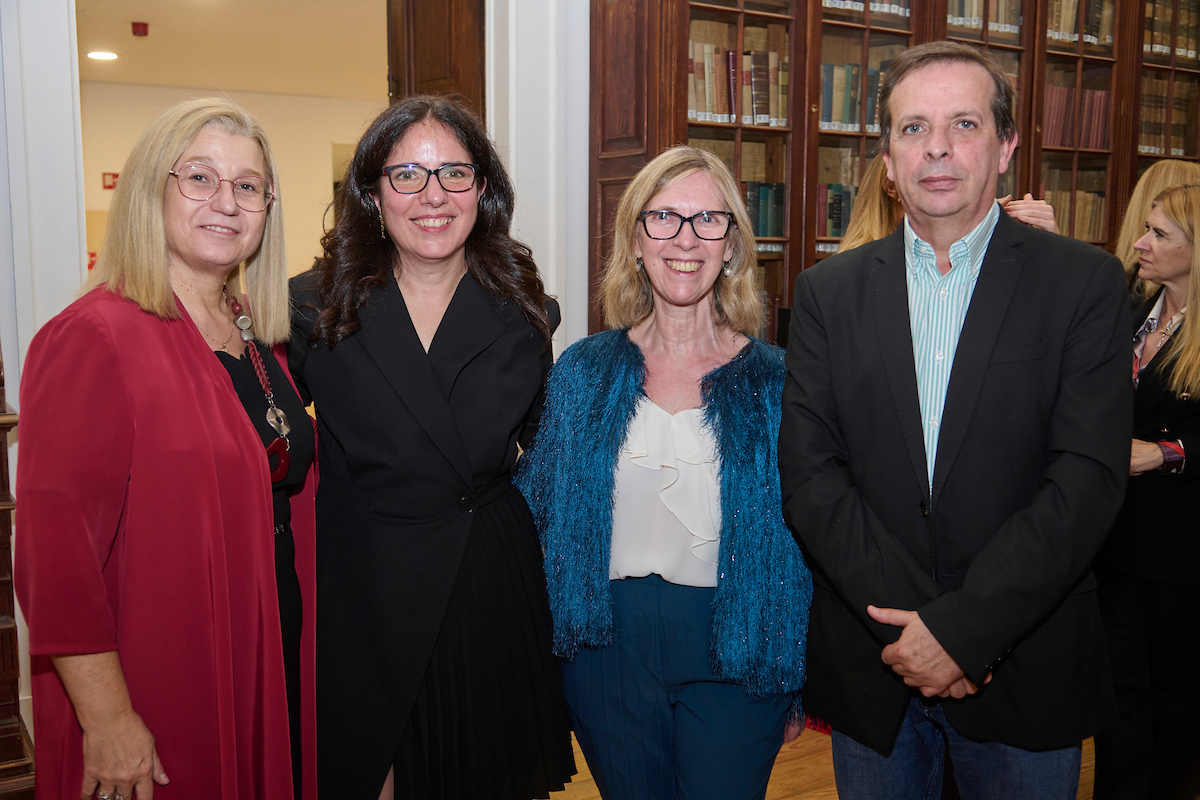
[878, 209]
[1161, 175]
[156, 565]
[1149, 570]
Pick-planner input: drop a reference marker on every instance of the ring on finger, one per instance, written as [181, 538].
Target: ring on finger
[104, 795]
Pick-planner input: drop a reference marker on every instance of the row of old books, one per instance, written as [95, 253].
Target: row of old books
[1085, 205]
[902, 8]
[725, 87]
[1156, 32]
[747, 86]
[837, 185]
[841, 85]
[1004, 16]
[835, 203]
[765, 203]
[1098, 18]
[1153, 128]
[1058, 123]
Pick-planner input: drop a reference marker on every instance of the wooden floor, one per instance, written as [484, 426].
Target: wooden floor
[803, 771]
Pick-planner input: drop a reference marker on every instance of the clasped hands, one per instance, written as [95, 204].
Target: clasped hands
[920, 659]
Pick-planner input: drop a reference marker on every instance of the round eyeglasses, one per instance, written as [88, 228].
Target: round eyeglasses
[710, 225]
[413, 178]
[200, 182]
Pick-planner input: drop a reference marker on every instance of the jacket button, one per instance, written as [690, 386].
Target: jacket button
[466, 505]
[924, 509]
[1163, 430]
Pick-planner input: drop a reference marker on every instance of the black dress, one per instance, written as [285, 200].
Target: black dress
[300, 456]
[433, 627]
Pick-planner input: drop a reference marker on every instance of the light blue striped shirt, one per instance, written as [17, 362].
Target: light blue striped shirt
[937, 306]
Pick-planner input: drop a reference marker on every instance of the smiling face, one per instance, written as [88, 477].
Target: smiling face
[430, 227]
[682, 270]
[1164, 253]
[945, 156]
[213, 236]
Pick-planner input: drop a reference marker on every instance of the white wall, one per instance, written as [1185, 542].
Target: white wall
[41, 193]
[302, 131]
[537, 113]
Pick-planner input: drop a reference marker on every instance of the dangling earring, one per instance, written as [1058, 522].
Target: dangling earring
[641, 265]
[728, 270]
[382, 228]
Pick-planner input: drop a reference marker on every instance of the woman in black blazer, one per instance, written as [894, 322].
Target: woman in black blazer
[422, 336]
[1150, 566]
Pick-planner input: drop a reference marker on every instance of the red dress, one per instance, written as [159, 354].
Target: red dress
[145, 526]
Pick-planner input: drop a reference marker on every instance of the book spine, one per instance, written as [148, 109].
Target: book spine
[826, 96]
[784, 84]
[747, 92]
[691, 80]
[773, 89]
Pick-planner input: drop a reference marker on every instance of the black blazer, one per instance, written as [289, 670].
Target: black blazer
[410, 444]
[1155, 536]
[1031, 466]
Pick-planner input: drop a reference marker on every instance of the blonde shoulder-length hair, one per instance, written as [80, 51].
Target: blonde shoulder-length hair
[1161, 175]
[1181, 365]
[133, 260]
[877, 208]
[625, 290]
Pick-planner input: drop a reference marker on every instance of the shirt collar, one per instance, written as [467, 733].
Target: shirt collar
[968, 250]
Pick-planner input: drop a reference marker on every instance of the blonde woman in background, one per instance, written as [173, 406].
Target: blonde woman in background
[1161, 175]
[1149, 570]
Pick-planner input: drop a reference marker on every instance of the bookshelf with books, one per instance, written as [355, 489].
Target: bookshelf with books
[1079, 70]
[855, 43]
[1168, 88]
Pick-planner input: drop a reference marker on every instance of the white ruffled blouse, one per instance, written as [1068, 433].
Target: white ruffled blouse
[667, 499]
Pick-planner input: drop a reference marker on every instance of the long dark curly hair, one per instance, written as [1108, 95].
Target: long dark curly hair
[356, 259]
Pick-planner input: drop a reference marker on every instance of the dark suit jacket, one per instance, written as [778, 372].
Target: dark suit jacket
[1155, 534]
[411, 444]
[1031, 465]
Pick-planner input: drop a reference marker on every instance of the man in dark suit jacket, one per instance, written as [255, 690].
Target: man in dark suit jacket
[953, 449]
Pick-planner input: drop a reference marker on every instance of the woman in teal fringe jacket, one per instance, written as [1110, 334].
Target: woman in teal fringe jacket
[680, 598]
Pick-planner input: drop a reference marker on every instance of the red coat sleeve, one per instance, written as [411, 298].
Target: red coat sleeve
[74, 459]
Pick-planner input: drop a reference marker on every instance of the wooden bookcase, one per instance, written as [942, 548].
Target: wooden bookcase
[1167, 87]
[16, 750]
[1104, 87]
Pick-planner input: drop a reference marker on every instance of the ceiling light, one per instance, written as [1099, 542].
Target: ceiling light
[100, 55]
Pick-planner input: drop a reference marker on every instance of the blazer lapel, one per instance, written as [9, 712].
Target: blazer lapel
[1151, 387]
[989, 304]
[889, 292]
[469, 327]
[391, 340]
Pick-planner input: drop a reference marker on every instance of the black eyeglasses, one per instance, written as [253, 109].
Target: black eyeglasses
[413, 178]
[200, 182]
[710, 225]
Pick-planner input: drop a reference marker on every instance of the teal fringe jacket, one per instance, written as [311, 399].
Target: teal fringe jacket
[764, 588]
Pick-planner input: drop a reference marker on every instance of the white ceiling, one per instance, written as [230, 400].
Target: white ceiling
[328, 48]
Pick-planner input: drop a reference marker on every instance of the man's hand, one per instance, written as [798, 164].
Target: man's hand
[919, 658]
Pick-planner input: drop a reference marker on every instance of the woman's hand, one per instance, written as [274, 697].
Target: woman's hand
[1144, 457]
[793, 730]
[119, 759]
[118, 750]
[1037, 213]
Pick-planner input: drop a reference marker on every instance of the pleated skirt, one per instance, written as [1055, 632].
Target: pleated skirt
[490, 720]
